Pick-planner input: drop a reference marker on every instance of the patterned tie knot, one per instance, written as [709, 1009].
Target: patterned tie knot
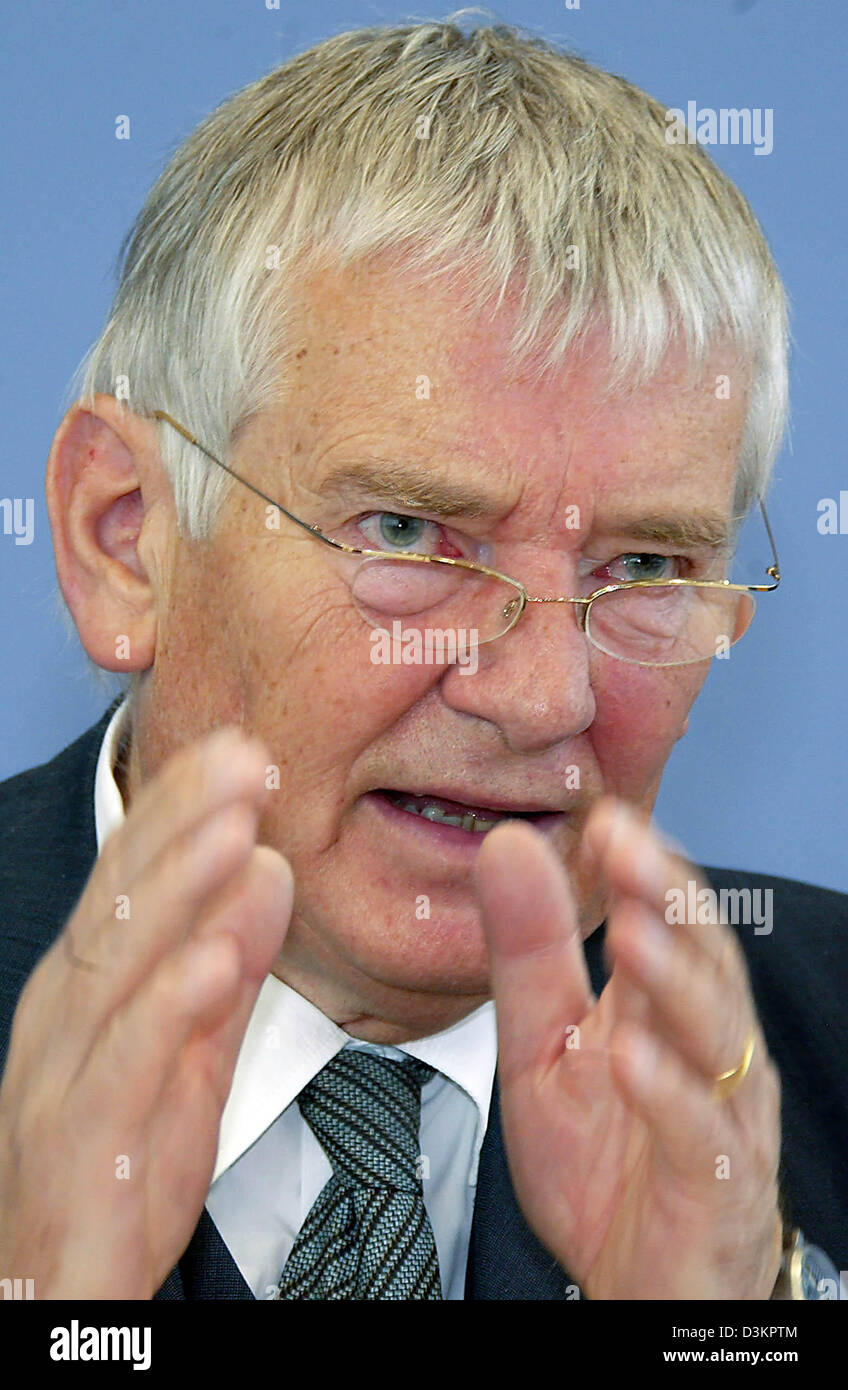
[365, 1112]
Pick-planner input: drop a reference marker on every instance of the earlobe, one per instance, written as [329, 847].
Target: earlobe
[104, 480]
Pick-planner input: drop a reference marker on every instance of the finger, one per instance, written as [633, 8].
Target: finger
[607, 813]
[255, 906]
[634, 859]
[623, 996]
[538, 968]
[644, 868]
[196, 783]
[698, 1137]
[142, 1042]
[164, 908]
[256, 912]
[700, 1005]
[138, 1050]
[687, 1124]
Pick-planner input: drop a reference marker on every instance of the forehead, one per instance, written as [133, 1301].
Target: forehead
[383, 366]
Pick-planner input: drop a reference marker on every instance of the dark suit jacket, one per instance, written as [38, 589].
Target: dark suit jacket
[799, 975]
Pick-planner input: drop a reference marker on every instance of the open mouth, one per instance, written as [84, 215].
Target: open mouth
[439, 810]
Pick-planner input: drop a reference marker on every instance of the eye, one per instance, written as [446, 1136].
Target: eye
[397, 532]
[641, 566]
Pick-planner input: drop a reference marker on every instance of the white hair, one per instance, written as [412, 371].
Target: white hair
[490, 150]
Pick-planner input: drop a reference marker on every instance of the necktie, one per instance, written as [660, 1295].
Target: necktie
[367, 1236]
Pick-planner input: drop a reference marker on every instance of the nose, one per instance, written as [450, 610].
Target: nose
[534, 682]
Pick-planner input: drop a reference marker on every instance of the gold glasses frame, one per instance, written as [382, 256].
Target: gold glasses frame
[519, 604]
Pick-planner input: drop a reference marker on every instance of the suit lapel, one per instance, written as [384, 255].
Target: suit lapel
[47, 850]
[505, 1260]
[207, 1270]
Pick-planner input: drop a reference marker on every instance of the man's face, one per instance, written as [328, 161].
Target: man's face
[259, 627]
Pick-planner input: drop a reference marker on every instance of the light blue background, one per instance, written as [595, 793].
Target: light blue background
[760, 780]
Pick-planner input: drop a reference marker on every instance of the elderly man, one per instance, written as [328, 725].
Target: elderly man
[347, 969]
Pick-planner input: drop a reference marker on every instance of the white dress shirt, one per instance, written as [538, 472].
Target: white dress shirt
[269, 1167]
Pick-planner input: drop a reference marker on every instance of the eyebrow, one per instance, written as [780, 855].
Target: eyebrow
[411, 487]
[706, 531]
[426, 491]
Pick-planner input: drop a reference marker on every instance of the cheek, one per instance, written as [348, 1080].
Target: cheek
[317, 696]
[639, 717]
[195, 683]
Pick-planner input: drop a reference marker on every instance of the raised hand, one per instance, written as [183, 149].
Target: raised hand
[127, 1033]
[636, 1175]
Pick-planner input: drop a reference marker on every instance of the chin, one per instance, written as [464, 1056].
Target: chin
[443, 954]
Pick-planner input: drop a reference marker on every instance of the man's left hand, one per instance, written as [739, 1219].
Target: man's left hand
[640, 1181]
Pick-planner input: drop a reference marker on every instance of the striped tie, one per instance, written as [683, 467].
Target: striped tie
[367, 1235]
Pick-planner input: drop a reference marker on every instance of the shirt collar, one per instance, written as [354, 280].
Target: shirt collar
[108, 802]
[284, 1025]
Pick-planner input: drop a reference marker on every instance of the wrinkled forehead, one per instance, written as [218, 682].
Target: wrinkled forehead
[386, 372]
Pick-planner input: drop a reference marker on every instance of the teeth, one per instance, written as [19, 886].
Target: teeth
[466, 822]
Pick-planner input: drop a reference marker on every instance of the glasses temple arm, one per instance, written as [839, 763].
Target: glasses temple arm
[773, 569]
[313, 530]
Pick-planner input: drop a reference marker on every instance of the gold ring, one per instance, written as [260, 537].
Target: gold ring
[725, 1084]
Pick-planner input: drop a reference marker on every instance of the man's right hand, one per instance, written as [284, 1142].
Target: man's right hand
[127, 1032]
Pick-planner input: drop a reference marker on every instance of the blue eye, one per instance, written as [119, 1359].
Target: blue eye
[641, 565]
[648, 566]
[399, 533]
[403, 532]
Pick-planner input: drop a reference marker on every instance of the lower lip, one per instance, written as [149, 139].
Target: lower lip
[450, 839]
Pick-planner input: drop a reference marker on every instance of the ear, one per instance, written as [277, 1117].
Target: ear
[113, 522]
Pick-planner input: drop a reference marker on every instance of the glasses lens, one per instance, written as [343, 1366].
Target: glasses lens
[668, 625]
[430, 594]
